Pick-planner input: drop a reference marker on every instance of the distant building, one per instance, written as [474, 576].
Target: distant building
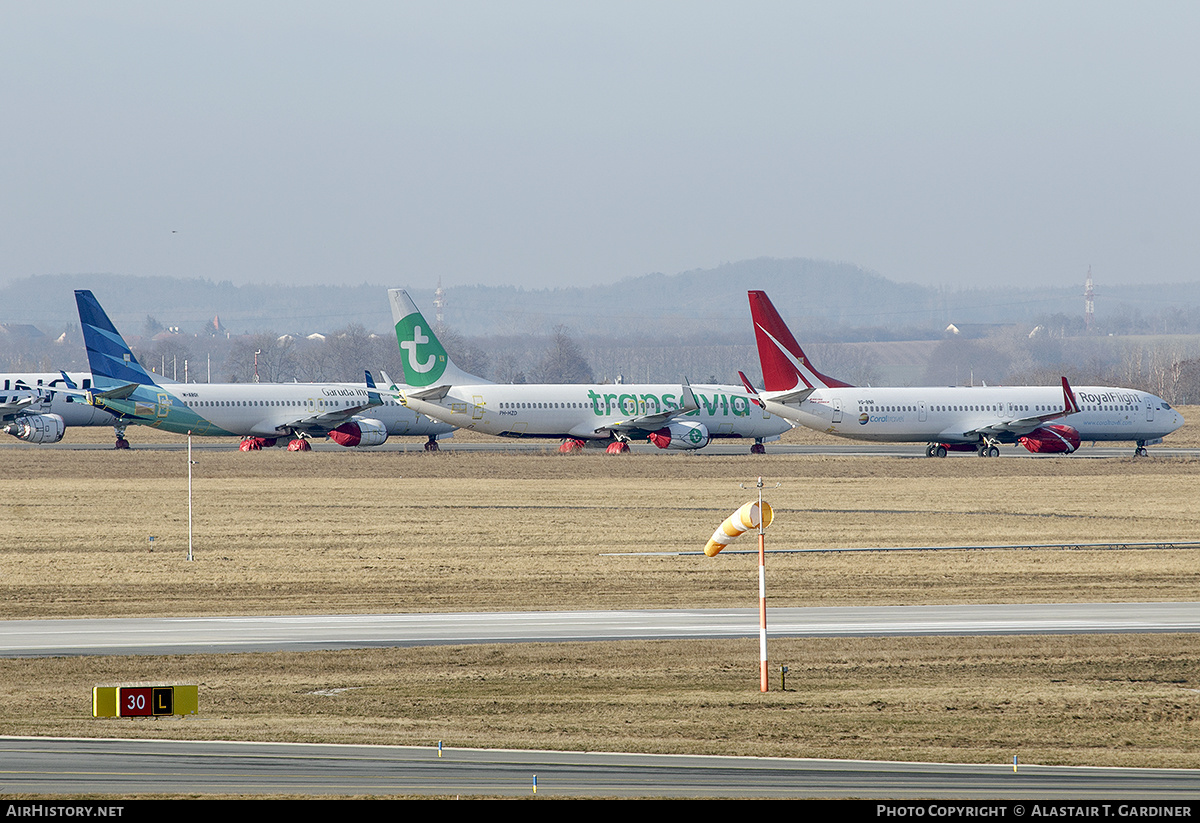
[977, 331]
[21, 331]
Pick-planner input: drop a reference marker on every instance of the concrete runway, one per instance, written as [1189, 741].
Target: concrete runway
[53, 767]
[846, 448]
[56, 767]
[184, 635]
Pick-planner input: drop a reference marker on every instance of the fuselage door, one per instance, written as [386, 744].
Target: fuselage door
[1149, 410]
[922, 411]
[477, 412]
[163, 407]
[837, 410]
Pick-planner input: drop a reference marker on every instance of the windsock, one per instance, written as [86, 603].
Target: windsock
[740, 521]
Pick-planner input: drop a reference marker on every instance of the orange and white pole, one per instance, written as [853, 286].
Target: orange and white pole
[762, 597]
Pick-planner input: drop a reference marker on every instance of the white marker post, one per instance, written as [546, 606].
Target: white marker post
[189, 496]
[762, 597]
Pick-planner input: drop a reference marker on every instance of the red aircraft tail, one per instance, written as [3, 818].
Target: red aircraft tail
[784, 365]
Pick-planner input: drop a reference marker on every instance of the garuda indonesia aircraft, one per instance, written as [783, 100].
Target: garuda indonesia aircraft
[31, 409]
[1040, 418]
[670, 416]
[259, 412]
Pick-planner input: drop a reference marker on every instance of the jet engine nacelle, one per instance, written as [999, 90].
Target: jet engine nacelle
[1052, 439]
[37, 428]
[361, 432]
[681, 435]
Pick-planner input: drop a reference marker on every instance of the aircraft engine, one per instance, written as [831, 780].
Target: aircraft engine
[1052, 439]
[681, 435]
[362, 431]
[37, 428]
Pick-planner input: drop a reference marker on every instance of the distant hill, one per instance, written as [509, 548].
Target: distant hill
[820, 299]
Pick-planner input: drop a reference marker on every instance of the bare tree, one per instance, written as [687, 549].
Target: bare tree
[563, 361]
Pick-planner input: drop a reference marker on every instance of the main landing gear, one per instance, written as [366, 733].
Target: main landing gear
[1140, 451]
[758, 448]
[935, 450]
[986, 450]
[431, 445]
[121, 443]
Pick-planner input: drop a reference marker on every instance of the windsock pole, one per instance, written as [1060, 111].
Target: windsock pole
[762, 599]
[743, 520]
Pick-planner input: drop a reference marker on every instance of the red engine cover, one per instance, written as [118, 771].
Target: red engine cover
[1053, 439]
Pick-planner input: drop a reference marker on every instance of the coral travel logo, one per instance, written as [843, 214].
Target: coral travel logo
[863, 418]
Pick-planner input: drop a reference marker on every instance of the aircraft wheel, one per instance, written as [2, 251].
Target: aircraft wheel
[122, 443]
[940, 451]
[758, 448]
[929, 450]
[993, 452]
[431, 446]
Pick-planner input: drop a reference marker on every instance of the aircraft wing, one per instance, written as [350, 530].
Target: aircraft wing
[325, 421]
[1024, 425]
[657, 420]
[431, 394]
[16, 406]
[789, 398]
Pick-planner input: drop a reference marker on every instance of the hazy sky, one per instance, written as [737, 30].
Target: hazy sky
[562, 143]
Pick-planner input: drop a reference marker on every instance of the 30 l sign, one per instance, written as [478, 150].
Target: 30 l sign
[145, 701]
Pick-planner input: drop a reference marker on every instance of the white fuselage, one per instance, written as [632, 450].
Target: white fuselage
[268, 409]
[951, 414]
[584, 411]
[73, 409]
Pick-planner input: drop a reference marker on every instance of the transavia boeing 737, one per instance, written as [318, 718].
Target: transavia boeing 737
[669, 416]
[1042, 419]
[260, 413]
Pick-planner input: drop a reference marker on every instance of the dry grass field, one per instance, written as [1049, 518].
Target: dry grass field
[325, 532]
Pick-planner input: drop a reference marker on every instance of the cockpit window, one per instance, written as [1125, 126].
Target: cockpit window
[1164, 405]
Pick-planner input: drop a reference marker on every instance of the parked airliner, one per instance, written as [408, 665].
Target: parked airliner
[31, 409]
[1043, 419]
[671, 416]
[261, 413]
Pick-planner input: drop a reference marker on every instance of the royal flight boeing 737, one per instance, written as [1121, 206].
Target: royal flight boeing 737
[32, 410]
[669, 416]
[1041, 418]
[261, 413]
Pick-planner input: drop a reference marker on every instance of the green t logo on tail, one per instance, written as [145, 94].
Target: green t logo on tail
[424, 357]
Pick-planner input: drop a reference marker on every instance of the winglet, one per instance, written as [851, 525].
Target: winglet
[750, 390]
[1070, 404]
[109, 357]
[387, 381]
[370, 379]
[689, 403]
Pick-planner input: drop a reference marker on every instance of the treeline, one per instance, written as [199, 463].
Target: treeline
[1167, 365]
